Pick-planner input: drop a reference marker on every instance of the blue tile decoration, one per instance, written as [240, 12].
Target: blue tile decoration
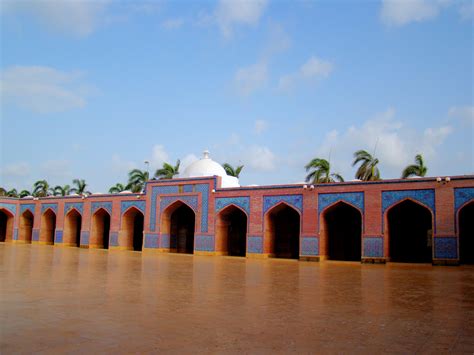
[29, 206]
[58, 236]
[204, 243]
[204, 190]
[373, 247]
[255, 244]
[8, 206]
[426, 197]
[68, 206]
[242, 202]
[35, 235]
[445, 247]
[155, 191]
[105, 205]
[188, 188]
[191, 201]
[355, 199]
[125, 205]
[84, 238]
[52, 206]
[151, 240]
[463, 195]
[165, 241]
[15, 234]
[113, 242]
[292, 200]
[310, 246]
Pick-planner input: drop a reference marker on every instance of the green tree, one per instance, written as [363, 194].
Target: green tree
[231, 171]
[62, 190]
[368, 170]
[24, 193]
[320, 172]
[417, 169]
[41, 188]
[80, 187]
[137, 179]
[118, 187]
[3, 192]
[168, 171]
[12, 193]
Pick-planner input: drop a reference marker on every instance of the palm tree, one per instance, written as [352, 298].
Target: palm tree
[168, 171]
[24, 193]
[3, 192]
[231, 171]
[41, 188]
[12, 193]
[118, 187]
[80, 188]
[368, 170]
[417, 169]
[321, 172]
[137, 179]
[62, 190]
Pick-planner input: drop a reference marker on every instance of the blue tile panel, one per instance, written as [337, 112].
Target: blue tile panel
[462, 196]
[30, 207]
[191, 201]
[70, 205]
[310, 246]
[155, 191]
[113, 239]
[204, 243]
[204, 190]
[151, 240]
[52, 206]
[355, 199]
[15, 234]
[58, 237]
[426, 197]
[85, 238]
[165, 241]
[9, 206]
[105, 205]
[372, 247]
[242, 202]
[125, 205]
[36, 234]
[445, 247]
[292, 200]
[255, 244]
[188, 188]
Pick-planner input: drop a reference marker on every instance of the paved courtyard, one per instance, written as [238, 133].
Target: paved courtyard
[82, 301]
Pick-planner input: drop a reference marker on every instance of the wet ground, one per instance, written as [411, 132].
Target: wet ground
[78, 300]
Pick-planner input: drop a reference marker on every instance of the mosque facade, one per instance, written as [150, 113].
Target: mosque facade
[206, 212]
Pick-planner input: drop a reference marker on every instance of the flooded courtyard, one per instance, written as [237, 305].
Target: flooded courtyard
[89, 300]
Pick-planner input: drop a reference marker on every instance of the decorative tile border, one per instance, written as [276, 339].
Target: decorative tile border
[58, 236]
[52, 206]
[125, 205]
[29, 206]
[426, 197]
[372, 247]
[151, 240]
[8, 206]
[105, 205]
[445, 247]
[243, 202]
[35, 235]
[155, 191]
[293, 200]
[462, 195]
[355, 199]
[191, 201]
[84, 238]
[203, 243]
[68, 206]
[188, 188]
[255, 244]
[113, 242]
[204, 190]
[310, 246]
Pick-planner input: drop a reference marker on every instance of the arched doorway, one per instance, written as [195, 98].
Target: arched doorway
[178, 221]
[132, 229]
[48, 227]
[282, 231]
[6, 226]
[466, 234]
[342, 231]
[410, 233]
[231, 231]
[100, 230]
[72, 228]
[26, 226]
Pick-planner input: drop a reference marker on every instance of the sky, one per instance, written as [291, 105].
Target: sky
[93, 89]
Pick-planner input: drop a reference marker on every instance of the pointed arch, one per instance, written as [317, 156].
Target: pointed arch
[465, 224]
[341, 231]
[72, 228]
[6, 225]
[282, 226]
[26, 226]
[178, 223]
[47, 226]
[100, 229]
[131, 229]
[231, 230]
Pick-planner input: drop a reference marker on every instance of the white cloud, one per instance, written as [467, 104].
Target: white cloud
[122, 166]
[42, 89]
[464, 113]
[252, 78]
[172, 23]
[230, 13]
[314, 69]
[259, 158]
[53, 170]
[20, 169]
[79, 18]
[158, 156]
[466, 10]
[260, 126]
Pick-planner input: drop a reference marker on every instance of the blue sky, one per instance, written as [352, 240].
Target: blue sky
[93, 89]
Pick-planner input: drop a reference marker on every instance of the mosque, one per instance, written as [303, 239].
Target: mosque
[207, 212]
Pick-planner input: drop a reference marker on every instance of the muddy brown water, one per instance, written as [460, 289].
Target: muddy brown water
[56, 300]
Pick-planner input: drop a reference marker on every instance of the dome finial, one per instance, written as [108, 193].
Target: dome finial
[205, 154]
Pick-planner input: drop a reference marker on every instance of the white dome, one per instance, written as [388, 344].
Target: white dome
[208, 167]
